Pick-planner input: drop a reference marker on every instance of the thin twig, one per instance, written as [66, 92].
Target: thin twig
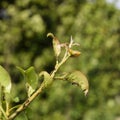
[14, 108]
[57, 66]
[1, 109]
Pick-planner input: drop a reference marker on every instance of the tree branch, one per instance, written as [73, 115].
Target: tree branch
[26, 103]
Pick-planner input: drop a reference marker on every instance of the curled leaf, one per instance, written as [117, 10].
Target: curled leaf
[56, 44]
[47, 79]
[79, 79]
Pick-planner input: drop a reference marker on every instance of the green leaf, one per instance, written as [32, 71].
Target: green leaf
[78, 78]
[47, 79]
[31, 79]
[5, 80]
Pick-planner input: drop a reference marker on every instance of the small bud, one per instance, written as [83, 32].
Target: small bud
[74, 53]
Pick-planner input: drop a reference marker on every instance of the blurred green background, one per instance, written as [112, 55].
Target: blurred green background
[95, 24]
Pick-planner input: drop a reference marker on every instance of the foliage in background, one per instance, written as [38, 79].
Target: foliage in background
[94, 24]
